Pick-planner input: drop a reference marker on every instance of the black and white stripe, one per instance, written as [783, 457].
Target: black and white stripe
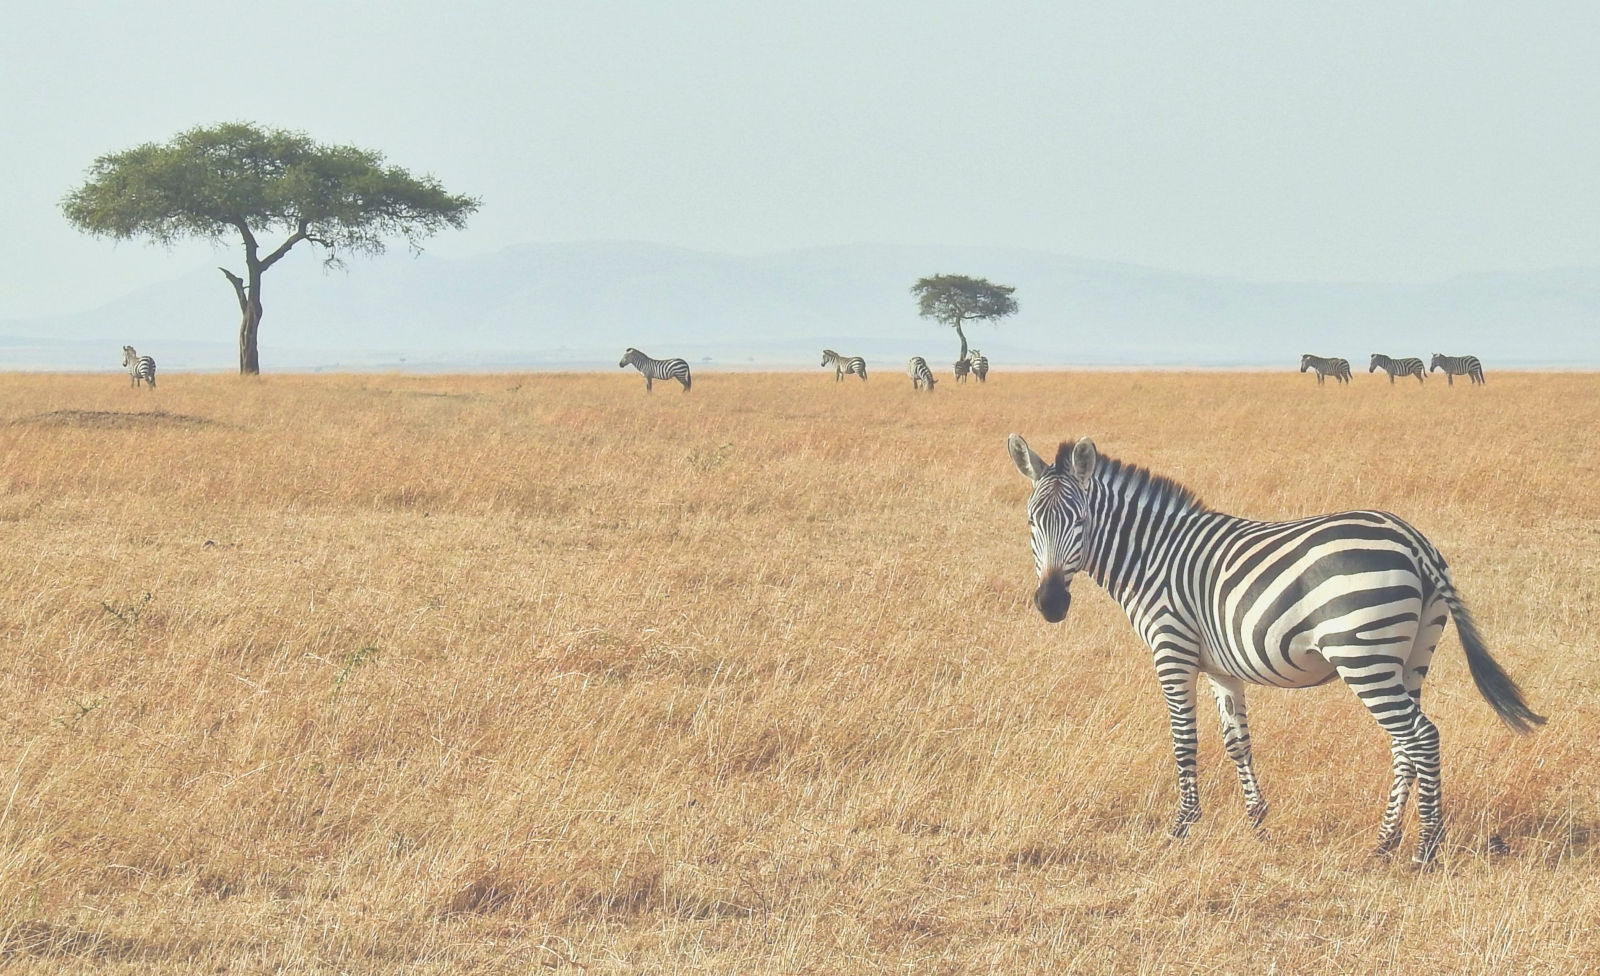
[1360, 596]
[962, 368]
[139, 367]
[921, 375]
[980, 365]
[656, 369]
[844, 365]
[1454, 366]
[1410, 366]
[1326, 366]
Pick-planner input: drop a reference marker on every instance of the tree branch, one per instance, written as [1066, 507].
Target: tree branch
[293, 239]
[238, 286]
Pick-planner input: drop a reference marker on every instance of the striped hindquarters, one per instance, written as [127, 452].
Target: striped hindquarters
[980, 365]
[140, 368]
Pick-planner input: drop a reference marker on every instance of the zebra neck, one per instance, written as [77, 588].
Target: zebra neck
[1134, 515]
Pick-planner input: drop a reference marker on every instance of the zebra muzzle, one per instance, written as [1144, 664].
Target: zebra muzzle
[1052, 597]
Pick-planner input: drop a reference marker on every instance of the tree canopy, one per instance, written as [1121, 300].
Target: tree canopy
[240, 181]
[956, 299]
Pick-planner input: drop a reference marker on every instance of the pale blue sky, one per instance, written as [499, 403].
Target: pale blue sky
[1268, 141]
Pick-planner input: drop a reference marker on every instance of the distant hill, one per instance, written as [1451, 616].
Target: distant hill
[578, 305]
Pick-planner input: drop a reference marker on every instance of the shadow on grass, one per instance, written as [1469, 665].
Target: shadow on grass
[114, 420]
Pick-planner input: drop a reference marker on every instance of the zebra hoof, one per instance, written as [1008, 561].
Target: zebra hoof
[1387, 845]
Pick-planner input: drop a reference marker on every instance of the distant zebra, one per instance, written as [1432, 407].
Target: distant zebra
[1325, 366]
[843, 365]
[980, 365]
[139, 367]
[656, 369]
[1410, 366]
[1454, 366]
[1360, 596]
[962, 368]
[921, 375]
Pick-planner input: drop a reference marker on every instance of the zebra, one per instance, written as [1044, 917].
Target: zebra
[980, 365]
[1325, 366]
[1454, 366]
[1360, 596]
[962, 368]
[656, 369]
[921, 375]
[843, 365]
[139, 367]
[1410, 366]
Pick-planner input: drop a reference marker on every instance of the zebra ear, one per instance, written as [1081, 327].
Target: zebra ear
[1030, 464]
[1084, 459]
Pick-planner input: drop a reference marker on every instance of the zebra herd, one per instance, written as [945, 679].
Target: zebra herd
[1339, 369]
[974, 363]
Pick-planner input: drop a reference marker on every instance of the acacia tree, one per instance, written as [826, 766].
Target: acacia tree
[238, 181]
[954, 299]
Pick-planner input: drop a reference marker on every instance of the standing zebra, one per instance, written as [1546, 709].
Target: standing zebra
[921, 375]
[980, 365]
[843, 365]
[1454, 366]
[1325, 366]
[656, 369]
[1357, 595]
[1410, 366]
[962, 368]
[139, 367]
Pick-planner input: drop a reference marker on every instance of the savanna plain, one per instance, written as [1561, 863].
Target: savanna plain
[511, 673]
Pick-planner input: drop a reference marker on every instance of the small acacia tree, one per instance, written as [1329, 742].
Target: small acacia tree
[238, 180]
[954, 299]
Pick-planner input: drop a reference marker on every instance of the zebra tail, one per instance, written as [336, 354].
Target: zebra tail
[1497, 687]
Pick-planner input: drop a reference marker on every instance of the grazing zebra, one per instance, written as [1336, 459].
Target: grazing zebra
[139, 367]
[962, 368]
[1454, 366]
[843, 365]
[921, 375]
[1360, 596]
[1335, 367]
[980, 365]
[1410, 366]
[656, 369]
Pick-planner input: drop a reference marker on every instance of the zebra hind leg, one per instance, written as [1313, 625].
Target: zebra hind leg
[1229, 693]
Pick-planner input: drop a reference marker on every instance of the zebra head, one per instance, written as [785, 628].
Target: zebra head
[1305, 362]
[128, 356]
[828, 356]
[1374, 367]
[1058, 516]
[629, 357]
[1438, 362]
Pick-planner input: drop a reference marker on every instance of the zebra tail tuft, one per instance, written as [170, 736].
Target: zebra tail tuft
[1497, 687]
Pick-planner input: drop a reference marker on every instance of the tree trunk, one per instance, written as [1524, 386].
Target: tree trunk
[963, 336]
[249, 295]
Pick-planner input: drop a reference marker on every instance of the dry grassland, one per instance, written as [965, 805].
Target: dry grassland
[443, 674]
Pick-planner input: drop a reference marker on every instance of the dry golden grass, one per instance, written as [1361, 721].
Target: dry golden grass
[444, 674]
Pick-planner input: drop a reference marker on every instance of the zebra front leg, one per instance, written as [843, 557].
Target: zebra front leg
[1178, 685]
[1229, 692]
[648, 388]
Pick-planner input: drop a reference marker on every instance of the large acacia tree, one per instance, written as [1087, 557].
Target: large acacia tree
[956, 299]
[239, 182]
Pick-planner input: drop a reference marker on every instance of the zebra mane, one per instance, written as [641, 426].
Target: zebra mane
[1132, 481]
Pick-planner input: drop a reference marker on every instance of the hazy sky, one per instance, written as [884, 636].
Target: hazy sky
[1271, 141]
